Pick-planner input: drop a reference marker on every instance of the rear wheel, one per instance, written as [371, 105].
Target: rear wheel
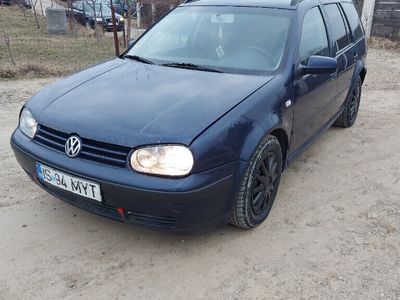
[350, 112]
[259, 186]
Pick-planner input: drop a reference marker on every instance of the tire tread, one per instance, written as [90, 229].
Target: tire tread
[238, 213]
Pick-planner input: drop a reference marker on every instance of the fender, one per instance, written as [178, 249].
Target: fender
[240, 131]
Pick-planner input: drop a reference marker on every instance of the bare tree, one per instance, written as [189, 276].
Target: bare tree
[129, 19]
[71, 16]
[7, 39]
[33, 4]
[21, 6]
[41, 7]
[96, 29]
[115, 34]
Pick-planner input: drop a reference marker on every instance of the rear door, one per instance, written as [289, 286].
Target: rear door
[314, 94]
[356, 29]
[345, 52]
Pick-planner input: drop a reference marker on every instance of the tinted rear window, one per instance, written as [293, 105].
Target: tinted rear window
[338, 28]
[354, 21]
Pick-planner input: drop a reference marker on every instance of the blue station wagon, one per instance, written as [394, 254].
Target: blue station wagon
[195, 122]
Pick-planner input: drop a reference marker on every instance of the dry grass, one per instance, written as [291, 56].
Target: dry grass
[383, 43]
[38, 54]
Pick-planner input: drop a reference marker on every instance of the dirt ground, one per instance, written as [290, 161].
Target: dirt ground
[333, 233]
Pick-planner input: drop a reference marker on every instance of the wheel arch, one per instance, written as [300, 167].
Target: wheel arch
[360, 71]
[281, 135]
[362, 74]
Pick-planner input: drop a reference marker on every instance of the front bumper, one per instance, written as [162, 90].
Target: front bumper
[109, 26]
[186, 203]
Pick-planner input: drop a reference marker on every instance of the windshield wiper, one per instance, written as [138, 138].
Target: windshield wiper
[139, 59]
[191, 67]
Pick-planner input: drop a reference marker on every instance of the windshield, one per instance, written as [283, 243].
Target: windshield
[101, 9]
[245, 40]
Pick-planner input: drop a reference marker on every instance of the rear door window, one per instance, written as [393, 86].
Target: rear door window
[338, 27]
[314, 40]
[354, 20]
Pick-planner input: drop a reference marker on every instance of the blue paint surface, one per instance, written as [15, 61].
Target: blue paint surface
[39, 171]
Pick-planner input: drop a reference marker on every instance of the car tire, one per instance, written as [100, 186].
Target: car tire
[350, 112]
[259, 185]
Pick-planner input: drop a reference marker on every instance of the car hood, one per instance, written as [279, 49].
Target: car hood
[129, 103]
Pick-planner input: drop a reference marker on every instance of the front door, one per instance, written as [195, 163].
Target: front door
[314, 94]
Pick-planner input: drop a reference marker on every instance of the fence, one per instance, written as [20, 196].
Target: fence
[27, 48]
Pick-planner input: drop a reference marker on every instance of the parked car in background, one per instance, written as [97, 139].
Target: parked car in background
[121, 7]
[24, 3]
[6, 2]
[196, 121]
[88, 14]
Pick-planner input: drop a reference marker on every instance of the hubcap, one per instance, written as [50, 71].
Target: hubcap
[264, 183]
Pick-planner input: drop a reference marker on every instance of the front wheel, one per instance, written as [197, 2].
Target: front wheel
[259, 185]
[350, 112]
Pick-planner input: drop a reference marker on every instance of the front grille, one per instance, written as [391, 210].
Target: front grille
[99, 152]
[110, 21]
[161, 222]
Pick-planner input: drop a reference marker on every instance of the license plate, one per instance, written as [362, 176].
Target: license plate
[76, 185]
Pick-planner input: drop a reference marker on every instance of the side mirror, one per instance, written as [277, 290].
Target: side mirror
[318, 65]
[130, 43]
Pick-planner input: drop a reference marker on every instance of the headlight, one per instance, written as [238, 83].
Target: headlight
[27, 124]
[121, 19]
[168, 160]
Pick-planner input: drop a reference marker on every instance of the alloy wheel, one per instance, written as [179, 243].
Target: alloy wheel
[264, 184]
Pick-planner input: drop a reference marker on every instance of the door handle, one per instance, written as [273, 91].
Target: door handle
[355, 55]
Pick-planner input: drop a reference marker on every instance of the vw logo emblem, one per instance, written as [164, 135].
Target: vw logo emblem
[73, 146]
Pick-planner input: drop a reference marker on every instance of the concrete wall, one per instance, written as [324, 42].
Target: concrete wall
[56, 20]
[386, 21]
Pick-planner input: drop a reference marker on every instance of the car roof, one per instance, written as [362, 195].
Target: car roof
[287, 4]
